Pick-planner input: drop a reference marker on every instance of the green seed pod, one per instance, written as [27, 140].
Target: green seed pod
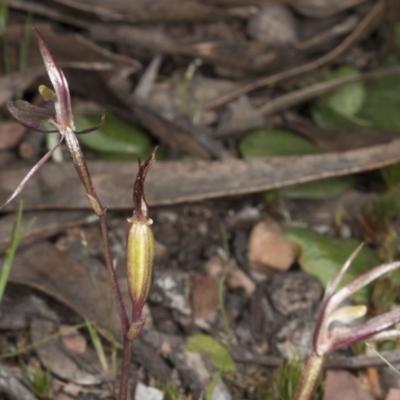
[140, 256]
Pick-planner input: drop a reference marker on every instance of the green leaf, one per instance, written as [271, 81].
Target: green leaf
[275, 142]
[324, 117]
[382, 103]
[218, 354]
[115, 136]
[349, 99]
[323, 256]
[318, 190]
[379, 108]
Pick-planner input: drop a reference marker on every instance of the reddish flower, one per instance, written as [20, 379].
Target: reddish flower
[34, 117]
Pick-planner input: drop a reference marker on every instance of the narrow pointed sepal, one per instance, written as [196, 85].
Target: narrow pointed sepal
[140, 212]
[57, 78]
[95, 127]
[32, 172]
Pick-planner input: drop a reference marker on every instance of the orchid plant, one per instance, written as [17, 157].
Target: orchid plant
[61, 119]
[329, 337]
[140, 242]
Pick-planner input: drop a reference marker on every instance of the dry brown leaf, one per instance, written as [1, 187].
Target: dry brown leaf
[57, 186]
[155, 10]
[83, 369]
[152, 38]
[368, 23]
[18, 309]
[71, 50]
[341, 139]
[67, 48]
[11, 387]
[177, 133]
[243, 56]
[55, 273]
[46, 224]
[18, 81]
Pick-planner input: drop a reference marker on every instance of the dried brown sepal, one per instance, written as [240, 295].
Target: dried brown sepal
[140, 212]
[31, 116]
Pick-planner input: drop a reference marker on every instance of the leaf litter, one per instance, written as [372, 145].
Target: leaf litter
[303, 138]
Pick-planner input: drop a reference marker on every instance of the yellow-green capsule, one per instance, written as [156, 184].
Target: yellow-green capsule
[140, 256]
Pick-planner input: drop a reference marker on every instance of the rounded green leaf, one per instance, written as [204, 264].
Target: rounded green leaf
[348, 99]
[325, 117]
[275, 142]
[319, 190]
[323, 256]
[217, 353]
[382, 103]
[114, 136]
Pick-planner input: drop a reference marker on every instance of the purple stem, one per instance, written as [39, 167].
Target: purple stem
[113, 277]
[125, 368]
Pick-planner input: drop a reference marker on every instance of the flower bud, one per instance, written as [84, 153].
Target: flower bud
[140, 256]
[140, 250]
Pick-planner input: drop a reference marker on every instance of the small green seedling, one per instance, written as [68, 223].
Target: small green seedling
[16, 237]
[37, 380]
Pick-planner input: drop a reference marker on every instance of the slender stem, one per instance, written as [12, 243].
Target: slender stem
[309, 377]
[127, 345]
[125, 368]
[113, 277]
[84, 174]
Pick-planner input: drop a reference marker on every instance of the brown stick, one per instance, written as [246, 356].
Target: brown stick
[311, 92]
[341, 48]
